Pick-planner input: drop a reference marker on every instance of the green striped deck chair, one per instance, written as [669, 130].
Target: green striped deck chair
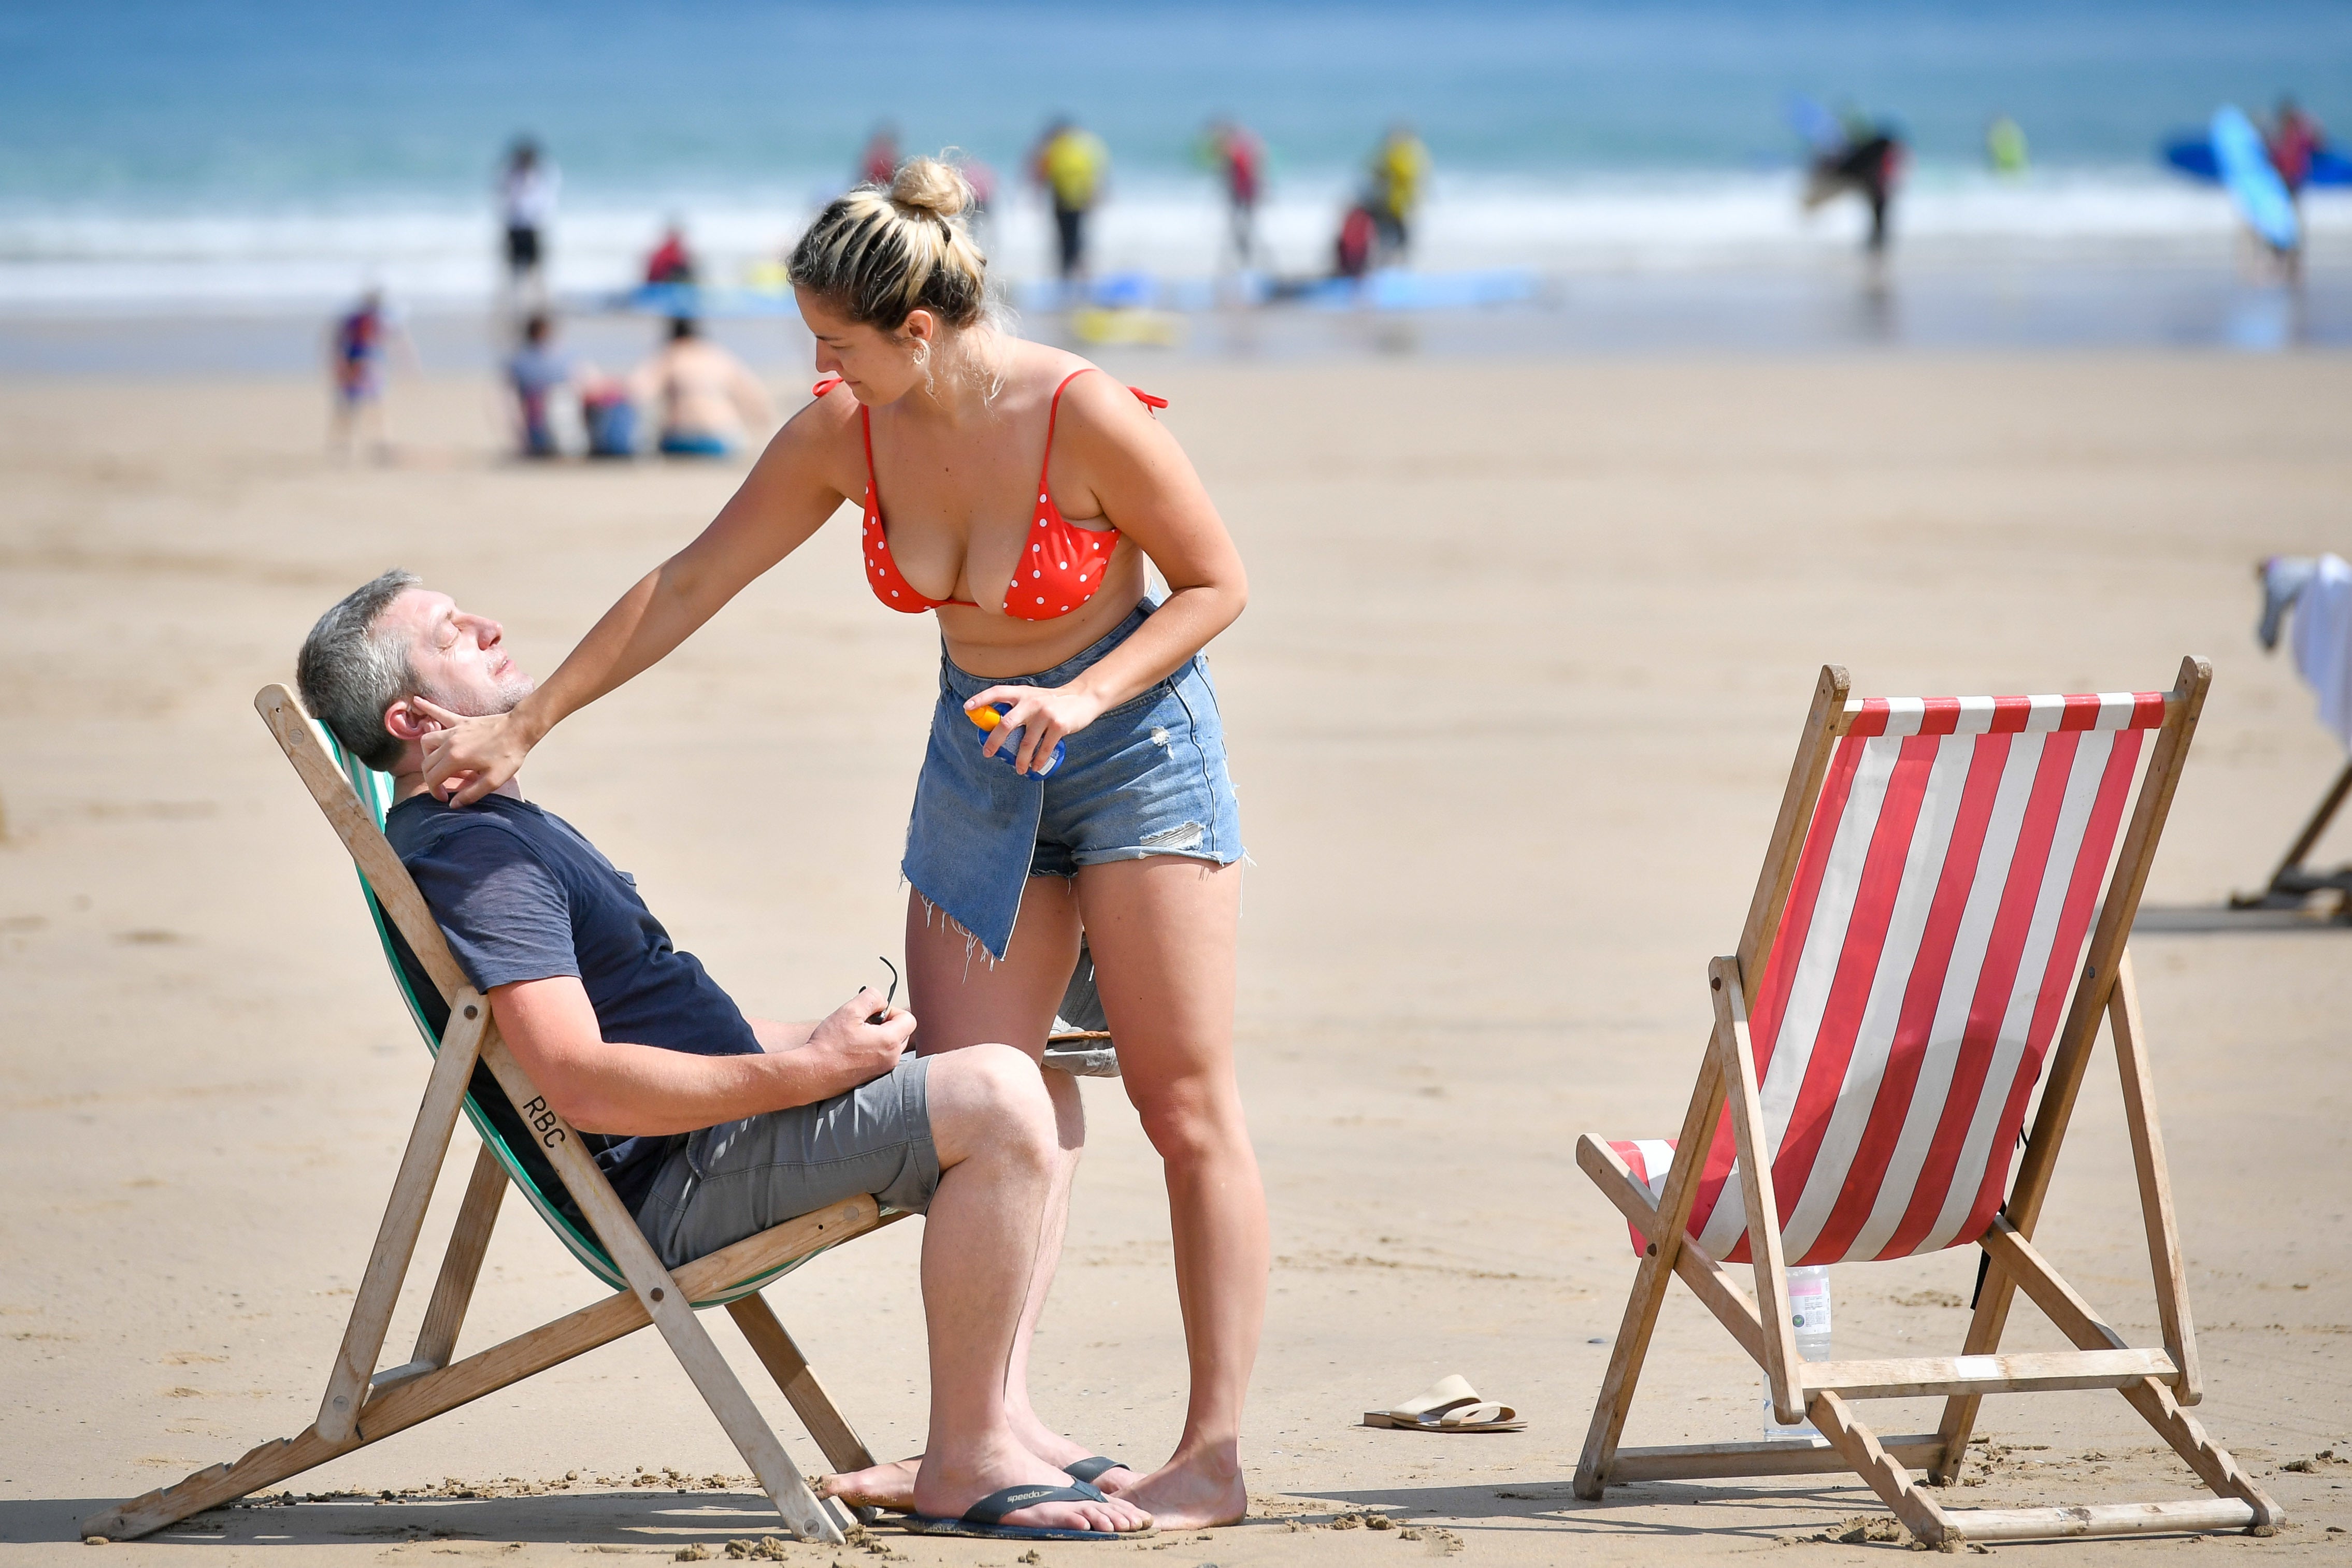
[526, 1143]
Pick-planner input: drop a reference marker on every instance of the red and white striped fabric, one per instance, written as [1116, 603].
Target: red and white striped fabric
[1929, 945]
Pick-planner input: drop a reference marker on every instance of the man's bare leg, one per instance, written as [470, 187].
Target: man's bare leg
[992, 1124]
[962, 1001]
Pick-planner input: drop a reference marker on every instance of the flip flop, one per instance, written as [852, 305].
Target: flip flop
[1089, 1472]
[1449, 1405]
[985, 1518]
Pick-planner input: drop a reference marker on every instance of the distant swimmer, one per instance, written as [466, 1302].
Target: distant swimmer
[705, 396]
[1851, 153]
[2005, 148]
[526, 191]
[1400, 174]
[1234, 153]
[1072, 166]
[357, 347]
[879, 161]
[671, 261]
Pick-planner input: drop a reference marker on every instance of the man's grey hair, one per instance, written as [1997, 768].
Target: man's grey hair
[350, 673]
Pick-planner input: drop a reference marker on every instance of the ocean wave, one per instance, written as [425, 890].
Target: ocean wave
[67, 260]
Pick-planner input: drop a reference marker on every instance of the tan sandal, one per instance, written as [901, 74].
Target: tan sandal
[1448, 1404]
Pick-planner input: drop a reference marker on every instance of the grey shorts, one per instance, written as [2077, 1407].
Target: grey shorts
[739, 1178]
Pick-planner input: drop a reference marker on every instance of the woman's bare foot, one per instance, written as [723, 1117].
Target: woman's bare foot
[890, 1485]
[1193, 1490]
[944, 1491]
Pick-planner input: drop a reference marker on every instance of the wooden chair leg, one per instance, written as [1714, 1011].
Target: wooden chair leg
[2166, 1265]
[1861, 1448]
[671, 1309]
[773, 1343]
[461, 1265]
[2305, 842]
[419, 1399]
[1641, 1318]
[389, 1410]
[404, 1214]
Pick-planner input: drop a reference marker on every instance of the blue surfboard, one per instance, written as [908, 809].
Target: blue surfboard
[2253, 184]
[2193, 156]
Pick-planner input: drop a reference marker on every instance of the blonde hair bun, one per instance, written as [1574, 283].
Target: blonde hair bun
[931, 185]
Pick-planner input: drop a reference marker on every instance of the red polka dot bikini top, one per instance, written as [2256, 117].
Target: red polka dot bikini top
[1064, 565]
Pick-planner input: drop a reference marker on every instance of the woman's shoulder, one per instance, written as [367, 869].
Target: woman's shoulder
[1093, 401]
[830, 414]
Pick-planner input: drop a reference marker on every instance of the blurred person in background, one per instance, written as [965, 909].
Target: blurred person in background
[982, 181]
[527, 190]
[537, 371]
[1351, 252]
[1071, 164]
[358, 345]
[707, 399]
[1237, 157]
[2293, 138]
[1399, 177]
[1863, 158]
[2005, 147]
[880, 159]
[671, 262]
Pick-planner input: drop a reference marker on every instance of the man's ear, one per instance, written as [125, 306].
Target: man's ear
[404, 721]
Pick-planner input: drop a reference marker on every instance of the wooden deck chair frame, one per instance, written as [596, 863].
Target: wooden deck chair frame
[2293, 882]
[2158, 1384]
[362, 1405]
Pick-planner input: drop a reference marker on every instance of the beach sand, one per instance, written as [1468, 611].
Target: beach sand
[1527, 654]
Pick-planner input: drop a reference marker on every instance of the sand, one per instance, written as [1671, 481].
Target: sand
[1527, 650]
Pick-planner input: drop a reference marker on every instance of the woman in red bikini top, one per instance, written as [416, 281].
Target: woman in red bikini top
[1017, 497]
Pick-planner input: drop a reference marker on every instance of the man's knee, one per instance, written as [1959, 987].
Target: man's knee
[991, 1096]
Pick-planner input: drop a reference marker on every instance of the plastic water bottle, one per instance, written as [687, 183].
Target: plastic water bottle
[1809, 1315]
[1009, 753]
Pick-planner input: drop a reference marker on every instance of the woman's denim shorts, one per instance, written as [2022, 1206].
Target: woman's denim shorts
[1147, 778]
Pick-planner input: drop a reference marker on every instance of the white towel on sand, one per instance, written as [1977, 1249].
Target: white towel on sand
[2322, 639]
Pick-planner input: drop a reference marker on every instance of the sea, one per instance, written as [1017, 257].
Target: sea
[184, 157]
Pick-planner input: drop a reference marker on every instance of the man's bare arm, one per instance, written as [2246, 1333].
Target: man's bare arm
[602, 1086]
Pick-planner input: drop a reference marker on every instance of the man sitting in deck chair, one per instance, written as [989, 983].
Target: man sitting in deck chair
[715, 1127]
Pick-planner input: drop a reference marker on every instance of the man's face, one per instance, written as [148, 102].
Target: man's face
[460, 658]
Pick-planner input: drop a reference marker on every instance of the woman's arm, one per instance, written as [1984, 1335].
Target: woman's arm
[786, 497]
[1142, 480]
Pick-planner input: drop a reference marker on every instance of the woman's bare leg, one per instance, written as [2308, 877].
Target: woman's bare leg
[1163, 932]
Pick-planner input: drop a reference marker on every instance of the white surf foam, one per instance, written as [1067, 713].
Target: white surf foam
[98, 260]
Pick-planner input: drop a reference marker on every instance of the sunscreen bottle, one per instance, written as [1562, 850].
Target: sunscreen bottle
[1009, 753]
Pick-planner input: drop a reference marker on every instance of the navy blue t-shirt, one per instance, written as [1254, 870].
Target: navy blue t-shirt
[522, 895]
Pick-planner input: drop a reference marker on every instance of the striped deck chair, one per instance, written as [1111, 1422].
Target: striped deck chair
[1928, 934]
[525, 1143]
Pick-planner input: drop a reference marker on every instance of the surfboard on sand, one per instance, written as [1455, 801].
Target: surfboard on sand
[2254, 186]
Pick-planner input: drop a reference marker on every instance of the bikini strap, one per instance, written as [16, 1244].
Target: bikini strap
[1053, 413]
[866, 429]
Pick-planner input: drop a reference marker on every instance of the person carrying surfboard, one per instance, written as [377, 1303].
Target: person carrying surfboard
[2295, 141]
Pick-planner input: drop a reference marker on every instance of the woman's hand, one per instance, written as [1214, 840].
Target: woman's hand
[467, 758]
[1044, 715]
